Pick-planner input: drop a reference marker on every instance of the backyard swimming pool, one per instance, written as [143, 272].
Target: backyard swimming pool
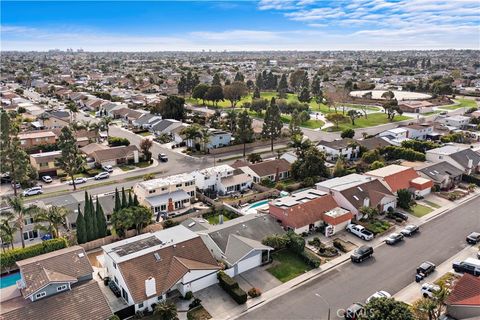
[252, 209]
[9, 280]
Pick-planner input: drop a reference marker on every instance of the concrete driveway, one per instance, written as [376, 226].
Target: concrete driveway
[216, 300]
[259, 278]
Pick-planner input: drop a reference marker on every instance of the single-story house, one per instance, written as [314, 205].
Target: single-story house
[396, 177]
[443, 174]
[273, 170]
[460, 156]
[464, 299]
[354, 191]
[117, 155]
[309, 209]
[238, 242]
[415, 106]
[151, 266]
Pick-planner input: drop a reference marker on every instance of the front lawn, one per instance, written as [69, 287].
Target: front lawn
[145, 134]
[374, 119]
[287, 265]
[419, 210]
[376, 226]
[462, 103]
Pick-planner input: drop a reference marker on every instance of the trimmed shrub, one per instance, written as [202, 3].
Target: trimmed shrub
[337, 244]
[254, 292]
[9, 257]
[239, 295]
[310, 259]
[232, 288]
[117, 141]
[195, 303]
[188, 295]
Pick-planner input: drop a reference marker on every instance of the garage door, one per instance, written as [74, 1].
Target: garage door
[254, 259]
[204, 282]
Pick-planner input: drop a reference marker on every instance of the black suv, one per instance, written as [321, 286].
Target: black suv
[424, 270]
[362, 253]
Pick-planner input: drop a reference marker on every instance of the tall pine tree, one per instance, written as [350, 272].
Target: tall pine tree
[124, 199]
[272, 124]
[81, 231]
[135, 201]
[101, 221]
[118, 204]
[94, 219]
[88, 218]
[130, 199]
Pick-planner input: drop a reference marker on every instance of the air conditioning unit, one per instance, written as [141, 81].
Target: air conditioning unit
[20, 284]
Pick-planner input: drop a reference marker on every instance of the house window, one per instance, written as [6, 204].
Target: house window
[62, 288]
[40, 295]
[115, 265]
[163, 207]
[140, 305]
[164, 188]
[178, 185]
[151, 191]
[23, 142]
[192, 193]
[43, 164]
[115, 279]
[30, 235]
[28, 220]
[159, 298]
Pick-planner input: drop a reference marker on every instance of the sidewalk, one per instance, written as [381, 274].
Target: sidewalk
[309, 276]
[411, 293]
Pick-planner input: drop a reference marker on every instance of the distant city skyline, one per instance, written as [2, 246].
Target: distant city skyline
[240, 25]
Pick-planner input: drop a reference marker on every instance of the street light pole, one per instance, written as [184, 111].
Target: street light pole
[326, 302]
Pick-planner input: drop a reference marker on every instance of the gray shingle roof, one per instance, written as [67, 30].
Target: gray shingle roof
[462, 157]
[438, 170]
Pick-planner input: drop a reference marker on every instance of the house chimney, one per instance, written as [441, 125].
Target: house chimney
[150, 287]
[366, 202]
[470, 164]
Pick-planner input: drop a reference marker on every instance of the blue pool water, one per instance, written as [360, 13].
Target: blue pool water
[258, 204]
[9, 280]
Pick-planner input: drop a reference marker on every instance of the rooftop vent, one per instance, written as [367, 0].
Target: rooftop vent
[81, 255]
[157, 256]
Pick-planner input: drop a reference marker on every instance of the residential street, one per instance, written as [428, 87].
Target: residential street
[391, 269]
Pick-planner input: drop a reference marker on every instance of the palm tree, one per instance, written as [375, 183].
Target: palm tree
[191, 133]
[166, 311]
[8, 228]
[20, 211]
[105, 123]
[206, 135]
[231, 120]
[73, 110]
[55, 217]
[95, 127]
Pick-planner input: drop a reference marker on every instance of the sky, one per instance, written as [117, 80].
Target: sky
[240, 25]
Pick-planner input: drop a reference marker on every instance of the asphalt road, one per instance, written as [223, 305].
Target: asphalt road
[391, 269]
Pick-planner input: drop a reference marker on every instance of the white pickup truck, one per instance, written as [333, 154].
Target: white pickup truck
[360, 231]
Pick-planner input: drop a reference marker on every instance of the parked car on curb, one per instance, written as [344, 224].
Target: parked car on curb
[362, 253]
[429, 289]
[32, 191]
[424, 270]
[469, 265]
[410, 230]
[394, 238]
[47, 179]
[162, 157]
[102, 175]
[473, 238]
[108, 168]
[360, 231]
[78, 181]
[354, 311]
[378, 295]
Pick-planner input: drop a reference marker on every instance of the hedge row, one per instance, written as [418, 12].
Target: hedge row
[232, 288]
[310, 259]
[471, 179]
[9, 257]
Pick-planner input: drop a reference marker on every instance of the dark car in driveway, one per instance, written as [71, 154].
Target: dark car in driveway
[362, 253]
[473, 238]
[400, 215]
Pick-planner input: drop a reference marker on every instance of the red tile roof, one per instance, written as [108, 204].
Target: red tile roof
[304, 214]
[466, 291]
